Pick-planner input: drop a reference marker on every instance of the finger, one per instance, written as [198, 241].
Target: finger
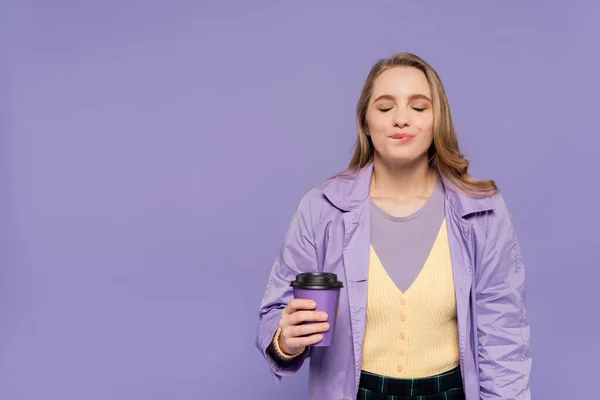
[308, 329]
[300, 317]
[304, 341]
[299, 304]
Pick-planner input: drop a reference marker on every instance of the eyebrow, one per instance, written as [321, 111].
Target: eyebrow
[411, 97]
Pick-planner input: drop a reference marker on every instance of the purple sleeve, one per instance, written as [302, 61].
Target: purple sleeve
[297, 254]
[502, 326]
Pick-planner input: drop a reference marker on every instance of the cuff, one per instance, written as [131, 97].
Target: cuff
[279, 351]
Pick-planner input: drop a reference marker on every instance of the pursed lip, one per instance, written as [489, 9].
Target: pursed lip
[402, 136]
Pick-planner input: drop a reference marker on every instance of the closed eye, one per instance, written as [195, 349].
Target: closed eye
[418, 109]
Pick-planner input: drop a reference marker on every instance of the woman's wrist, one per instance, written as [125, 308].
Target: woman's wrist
[279, 350]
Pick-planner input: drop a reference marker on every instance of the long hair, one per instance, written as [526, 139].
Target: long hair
[444, 153]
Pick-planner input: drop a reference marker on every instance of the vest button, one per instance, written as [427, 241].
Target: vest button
[402, 317]
[399, 368]
[401, 335]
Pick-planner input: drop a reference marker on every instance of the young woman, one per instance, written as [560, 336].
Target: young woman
[433, 300]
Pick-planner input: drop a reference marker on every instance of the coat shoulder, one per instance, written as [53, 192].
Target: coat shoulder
[315, 204]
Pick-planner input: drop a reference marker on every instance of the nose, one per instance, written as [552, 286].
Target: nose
[401, 119]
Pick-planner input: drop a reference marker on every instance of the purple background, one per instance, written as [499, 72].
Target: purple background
[152, 153]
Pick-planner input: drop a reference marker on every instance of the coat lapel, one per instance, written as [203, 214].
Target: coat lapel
[462, 270]
[350, 193]
[356, 263]
[458, 210]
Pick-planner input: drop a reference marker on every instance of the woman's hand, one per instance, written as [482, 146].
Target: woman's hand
[300, 326]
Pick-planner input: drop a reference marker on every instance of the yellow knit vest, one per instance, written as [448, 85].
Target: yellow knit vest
[412, 334]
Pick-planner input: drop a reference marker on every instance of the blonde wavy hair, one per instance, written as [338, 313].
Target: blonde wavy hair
[444, 153]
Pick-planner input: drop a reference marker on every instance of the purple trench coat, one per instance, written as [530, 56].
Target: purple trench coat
[330, 232]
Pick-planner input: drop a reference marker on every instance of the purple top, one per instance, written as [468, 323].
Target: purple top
[404, 243]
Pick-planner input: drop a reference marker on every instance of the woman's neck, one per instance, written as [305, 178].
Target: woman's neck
[402, 182]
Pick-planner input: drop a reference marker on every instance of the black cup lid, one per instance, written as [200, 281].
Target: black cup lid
[316, 280]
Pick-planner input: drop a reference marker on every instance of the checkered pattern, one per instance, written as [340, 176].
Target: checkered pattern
[446, 386]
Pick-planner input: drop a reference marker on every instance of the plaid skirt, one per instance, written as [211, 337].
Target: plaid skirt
[445, 386]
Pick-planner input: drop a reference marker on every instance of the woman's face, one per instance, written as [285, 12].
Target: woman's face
[400, 116]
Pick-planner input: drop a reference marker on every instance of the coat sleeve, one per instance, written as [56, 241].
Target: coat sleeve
[297, 254]
[502, 328]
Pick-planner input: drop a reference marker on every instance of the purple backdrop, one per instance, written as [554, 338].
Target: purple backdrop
[152, 153]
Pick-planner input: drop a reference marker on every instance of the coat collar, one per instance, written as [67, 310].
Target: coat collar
[350, 189]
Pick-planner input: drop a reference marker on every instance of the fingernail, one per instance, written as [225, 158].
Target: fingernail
[312, 303]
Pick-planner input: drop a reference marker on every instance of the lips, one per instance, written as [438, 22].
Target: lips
[402, 136]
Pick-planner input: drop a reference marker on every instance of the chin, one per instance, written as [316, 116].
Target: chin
[404, 158]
